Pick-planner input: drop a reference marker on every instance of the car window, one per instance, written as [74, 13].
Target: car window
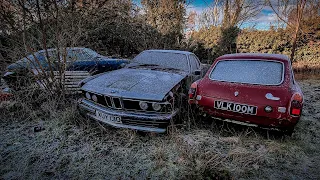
[248, 71]
[31, 60]
[194, 63]
[166, 59]
[79, 55]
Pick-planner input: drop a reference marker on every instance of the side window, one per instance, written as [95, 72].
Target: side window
[194, 63]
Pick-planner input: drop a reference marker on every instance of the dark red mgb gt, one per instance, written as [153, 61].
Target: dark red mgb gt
[252, 89]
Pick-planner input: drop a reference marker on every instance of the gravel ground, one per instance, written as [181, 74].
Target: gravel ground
[60, 144]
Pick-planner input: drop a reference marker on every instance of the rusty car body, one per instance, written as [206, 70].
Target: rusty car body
[252, 89]
[144, 94]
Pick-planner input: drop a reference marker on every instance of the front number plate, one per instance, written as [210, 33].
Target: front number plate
[234, 107]
[108, 118]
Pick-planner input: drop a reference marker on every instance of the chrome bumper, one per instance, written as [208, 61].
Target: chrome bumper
[131, 120]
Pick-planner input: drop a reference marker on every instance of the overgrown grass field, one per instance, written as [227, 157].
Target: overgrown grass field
[45, 139]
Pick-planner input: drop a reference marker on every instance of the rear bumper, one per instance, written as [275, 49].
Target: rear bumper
[256, 121]
[150, 122]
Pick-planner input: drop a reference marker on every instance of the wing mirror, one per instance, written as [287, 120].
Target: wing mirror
[197, 72]
[122, 65]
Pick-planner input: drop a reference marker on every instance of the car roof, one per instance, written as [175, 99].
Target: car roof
[169, 51]
[68, 48]
[249, 56]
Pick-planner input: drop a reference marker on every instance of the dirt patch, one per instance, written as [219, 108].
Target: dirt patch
[66, 146]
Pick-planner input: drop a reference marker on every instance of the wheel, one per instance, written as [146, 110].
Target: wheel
[288, 131]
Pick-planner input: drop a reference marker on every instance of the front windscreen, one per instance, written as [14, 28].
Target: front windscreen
[248, 71]
[80, 54]
[165, 59]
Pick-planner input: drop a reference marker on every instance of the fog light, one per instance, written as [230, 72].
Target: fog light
[94, 98]
[88, 95]
[143, 105]
[156, 106]
[268, 109]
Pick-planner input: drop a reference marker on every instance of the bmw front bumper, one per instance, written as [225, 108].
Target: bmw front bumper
[150, 122]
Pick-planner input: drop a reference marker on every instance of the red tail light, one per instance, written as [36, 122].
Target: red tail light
[296, 104]
[193, 90]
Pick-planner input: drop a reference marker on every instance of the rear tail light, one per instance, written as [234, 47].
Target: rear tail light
[193, 90]
[296, 104]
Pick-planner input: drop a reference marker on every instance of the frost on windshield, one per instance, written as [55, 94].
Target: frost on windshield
[248, 71]
[166, 59]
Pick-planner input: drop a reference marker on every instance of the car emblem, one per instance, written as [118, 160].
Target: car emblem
[236, 93]
[113, 91]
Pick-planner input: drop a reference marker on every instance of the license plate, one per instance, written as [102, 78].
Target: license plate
[235, 107]
[108, 118]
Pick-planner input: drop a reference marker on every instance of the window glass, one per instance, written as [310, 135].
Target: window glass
[194, 63]
[79, 55]
[248, 71]
[166, 59]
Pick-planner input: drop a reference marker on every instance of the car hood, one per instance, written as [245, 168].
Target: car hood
[144, 84]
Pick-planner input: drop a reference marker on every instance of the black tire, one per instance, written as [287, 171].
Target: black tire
[288, 131]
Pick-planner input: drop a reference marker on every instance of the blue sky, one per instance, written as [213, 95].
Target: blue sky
[261, 21]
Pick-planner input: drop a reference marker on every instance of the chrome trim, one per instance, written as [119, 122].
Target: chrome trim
[271, 97]
[247, 124]
[8, 74]
[108, 105]
[113, 104]
[139, 128]
[283, 73]
[90, 108]
[236, 122]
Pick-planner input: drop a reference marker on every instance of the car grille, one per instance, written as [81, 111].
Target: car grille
[145, 123]
[127, 104]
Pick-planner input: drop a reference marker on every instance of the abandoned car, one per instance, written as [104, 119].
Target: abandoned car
[252, 89]
[143, 95]
[77, 59]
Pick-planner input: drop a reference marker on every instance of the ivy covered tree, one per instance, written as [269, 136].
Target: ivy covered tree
[167, 16]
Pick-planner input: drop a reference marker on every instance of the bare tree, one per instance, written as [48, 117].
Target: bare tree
[238, 11]
[296, 7]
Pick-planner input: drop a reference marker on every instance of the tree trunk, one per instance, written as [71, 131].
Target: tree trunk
[294, 42]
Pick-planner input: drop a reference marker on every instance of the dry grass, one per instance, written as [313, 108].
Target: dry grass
[68, 146]
[312, 67]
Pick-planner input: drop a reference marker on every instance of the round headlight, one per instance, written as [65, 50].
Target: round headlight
[156, 106]
[94, 98]
[88, 95]
[143, 105]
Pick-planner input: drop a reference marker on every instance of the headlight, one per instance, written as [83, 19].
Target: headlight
[88, 95]
[156, 106]
[143, 105]
[94, 98]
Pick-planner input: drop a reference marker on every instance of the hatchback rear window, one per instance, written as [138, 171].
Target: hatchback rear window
[248, 71]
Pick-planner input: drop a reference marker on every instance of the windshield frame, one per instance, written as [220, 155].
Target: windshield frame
[186, 56]
[277, 61]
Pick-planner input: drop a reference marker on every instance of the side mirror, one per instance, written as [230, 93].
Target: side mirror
[197, 72]
[122, 65]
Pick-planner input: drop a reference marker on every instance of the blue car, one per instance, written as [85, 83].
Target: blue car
[75, 58]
